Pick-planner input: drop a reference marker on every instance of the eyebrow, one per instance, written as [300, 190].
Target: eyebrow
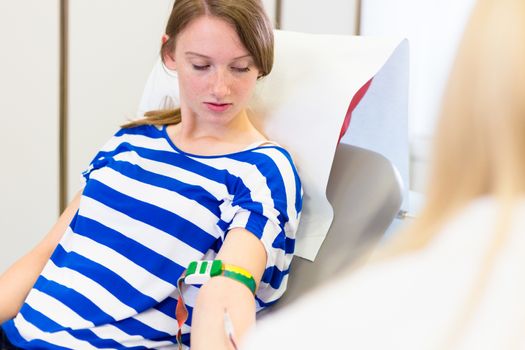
[190, 53]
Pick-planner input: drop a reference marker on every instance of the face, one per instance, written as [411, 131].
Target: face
[216, 73]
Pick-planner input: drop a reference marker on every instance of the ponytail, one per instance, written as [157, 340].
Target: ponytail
[158, 117]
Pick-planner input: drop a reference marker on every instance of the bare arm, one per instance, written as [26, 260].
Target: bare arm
[243, 249]
[17, 281]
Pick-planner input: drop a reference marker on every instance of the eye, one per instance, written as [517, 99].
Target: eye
[241, 69]
[200, 67]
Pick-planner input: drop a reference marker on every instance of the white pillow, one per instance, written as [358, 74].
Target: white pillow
[301, 105]
[161, 90]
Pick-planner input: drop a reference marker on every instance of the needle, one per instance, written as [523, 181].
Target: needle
[228, 327]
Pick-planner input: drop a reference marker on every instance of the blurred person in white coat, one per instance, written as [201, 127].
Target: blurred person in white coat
[455, 278]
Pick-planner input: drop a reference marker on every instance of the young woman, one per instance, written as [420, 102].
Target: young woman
[197, 183]
[456, 278]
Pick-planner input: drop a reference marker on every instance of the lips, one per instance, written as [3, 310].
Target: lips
[217, 107]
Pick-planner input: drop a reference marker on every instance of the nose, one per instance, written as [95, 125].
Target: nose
[220, 84]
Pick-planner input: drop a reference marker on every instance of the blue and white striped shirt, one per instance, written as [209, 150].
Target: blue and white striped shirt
[146, 211]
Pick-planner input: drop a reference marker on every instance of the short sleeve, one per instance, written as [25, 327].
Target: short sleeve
[103, 156]
[268, 204]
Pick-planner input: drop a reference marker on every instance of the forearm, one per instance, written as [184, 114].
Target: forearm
[18, 280]
[16, 283]
[216, 297]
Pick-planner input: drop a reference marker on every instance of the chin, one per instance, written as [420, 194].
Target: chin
[220, 117]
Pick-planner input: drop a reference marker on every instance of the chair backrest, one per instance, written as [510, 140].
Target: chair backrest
[365, 190]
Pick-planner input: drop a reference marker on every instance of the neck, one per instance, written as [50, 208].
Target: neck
[214, 137]
[193, 128]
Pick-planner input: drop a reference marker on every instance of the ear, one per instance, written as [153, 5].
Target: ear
[169, 60]
[168, 57]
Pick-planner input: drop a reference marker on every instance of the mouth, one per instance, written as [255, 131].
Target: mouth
[217, 107]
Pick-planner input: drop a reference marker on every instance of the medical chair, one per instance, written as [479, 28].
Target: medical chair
[353, 189]
[365, 190]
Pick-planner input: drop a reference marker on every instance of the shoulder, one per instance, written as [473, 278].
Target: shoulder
[274, 165]
[474, 222]
[268, 158]
[145, 136]
[125, 133]
[149, 130]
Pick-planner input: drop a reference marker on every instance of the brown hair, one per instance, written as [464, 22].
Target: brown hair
[250, 22]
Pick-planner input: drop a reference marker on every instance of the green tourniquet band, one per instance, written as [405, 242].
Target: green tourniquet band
[247, 281]
[192, 267]
[216, 268]
[203, 267]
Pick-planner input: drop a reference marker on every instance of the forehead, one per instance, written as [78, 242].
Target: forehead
[210, 36]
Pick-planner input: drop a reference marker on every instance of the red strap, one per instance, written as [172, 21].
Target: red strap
[353, 104]
[181, 312]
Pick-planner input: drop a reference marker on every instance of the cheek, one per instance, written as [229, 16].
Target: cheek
[246, 86]
[190, 84]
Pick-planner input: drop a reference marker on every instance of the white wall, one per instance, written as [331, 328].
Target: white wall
[320, 17]
[270, 6]
[111, 41]
[29, 60]
[312, 16]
